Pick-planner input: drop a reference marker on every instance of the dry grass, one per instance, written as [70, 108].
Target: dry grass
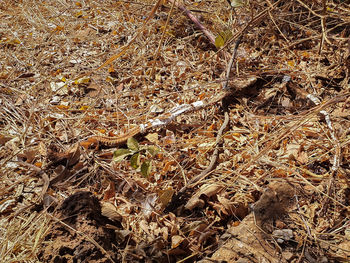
[54, 93]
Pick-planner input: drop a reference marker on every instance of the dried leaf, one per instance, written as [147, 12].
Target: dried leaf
[109, 210]
[152, 137]
[210, 189]
[6, 206]
[83, 80]
[207, 190]
[169, 138]
[74, 154]
[122, 234]
[165, 196]
[194, 202]
[205, 236]
[176, 241]
[110, 191]
[156, 109]
[148, 204]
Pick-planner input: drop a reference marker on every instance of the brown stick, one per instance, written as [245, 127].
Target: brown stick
[195, 20]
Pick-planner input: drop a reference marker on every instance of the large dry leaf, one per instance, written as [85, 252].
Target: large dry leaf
[207, 190]
[109, 210]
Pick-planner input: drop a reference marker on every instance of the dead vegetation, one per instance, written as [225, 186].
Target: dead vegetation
[127, 137]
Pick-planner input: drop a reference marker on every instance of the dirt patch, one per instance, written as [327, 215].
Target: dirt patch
[80, 234]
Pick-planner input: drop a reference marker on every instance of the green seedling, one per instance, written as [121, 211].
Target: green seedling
[137, 151]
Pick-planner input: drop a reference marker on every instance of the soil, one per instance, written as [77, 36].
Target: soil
[80, 233]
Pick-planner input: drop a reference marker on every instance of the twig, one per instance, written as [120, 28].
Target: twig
[205, 172]
[40, 172]
[214, 156]
[302, 217]
[195, 20]
[229, 67]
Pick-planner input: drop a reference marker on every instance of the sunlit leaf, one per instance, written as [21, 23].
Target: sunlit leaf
[85, 107]
[62, 107]
[219, 41]
[110, 211]
[135, 160]
[111, 79]
[176, 240]
[165, 196]
[78, 14]
[152, 137]
[291, 63]
[132, 144]
[222, 38]
[83, 80]
[38, 164]
[102, 130]
[236, 3]
[146, 168]
[120, 154]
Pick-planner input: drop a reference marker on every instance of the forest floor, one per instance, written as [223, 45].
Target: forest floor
[127, 136]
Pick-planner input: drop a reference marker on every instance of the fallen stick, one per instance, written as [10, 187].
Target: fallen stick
[195, 20]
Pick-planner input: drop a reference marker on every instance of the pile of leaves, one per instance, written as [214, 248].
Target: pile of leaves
[278, 189]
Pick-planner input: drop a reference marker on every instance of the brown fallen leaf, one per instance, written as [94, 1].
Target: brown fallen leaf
[109, 210]
[176, 241]
[208, 190]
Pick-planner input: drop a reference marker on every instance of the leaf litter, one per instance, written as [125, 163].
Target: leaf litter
[271, 186]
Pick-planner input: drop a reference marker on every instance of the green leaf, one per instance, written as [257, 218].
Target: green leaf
[146, 168]
[222, 38]
[135, 161]
[219, 41]
[153, 150]
[120, 154]
[132, 144]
